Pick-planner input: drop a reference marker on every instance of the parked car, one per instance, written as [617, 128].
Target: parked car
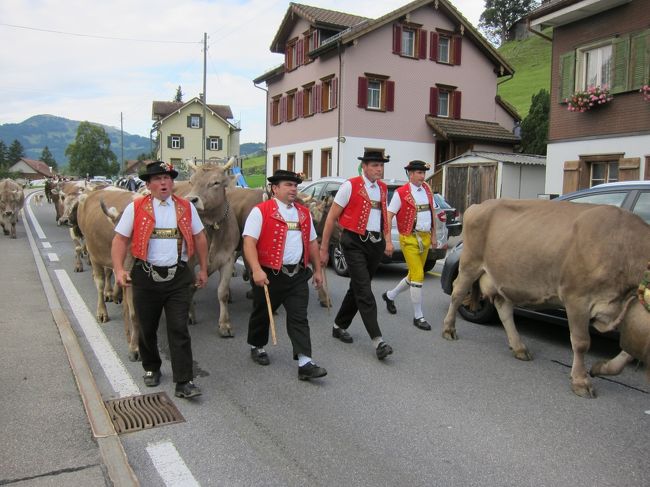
[633, 196]
[329, 186]
[454, 225]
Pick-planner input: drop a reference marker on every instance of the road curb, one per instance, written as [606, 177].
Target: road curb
[110, 447]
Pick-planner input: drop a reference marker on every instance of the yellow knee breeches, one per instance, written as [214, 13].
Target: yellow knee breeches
[415, 248]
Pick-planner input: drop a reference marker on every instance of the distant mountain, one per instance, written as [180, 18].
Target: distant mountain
[251, 148]
[57, 133]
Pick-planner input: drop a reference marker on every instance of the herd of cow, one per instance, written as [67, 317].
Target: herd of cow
[588, 258]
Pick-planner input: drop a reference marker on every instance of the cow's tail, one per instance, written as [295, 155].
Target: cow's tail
[112, 215]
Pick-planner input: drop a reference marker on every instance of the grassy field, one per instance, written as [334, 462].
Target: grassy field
[254, 170]
[531, 59]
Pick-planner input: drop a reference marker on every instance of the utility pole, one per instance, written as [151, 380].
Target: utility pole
[205, 55]
[122, 141]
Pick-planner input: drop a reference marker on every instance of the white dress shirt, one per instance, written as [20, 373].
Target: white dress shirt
[344, 193]
[423, 219]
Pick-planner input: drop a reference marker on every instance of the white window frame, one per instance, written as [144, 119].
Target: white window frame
[408, 42]
[374, 94]
[195, 121]
[176, 142]
[307, 105]
[444, 49]
[214, 143]
[582, 55]
[446, 95]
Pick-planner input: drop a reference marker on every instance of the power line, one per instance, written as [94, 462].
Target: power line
[110, 38]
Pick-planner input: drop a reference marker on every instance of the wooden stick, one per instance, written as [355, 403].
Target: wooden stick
[271, 320]
[327, 291]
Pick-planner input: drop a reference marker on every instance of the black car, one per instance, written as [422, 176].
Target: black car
[326, 187]
[633, 196]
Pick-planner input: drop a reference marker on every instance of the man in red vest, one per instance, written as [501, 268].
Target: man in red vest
[413, 206]
[279, 242]
[165, 231]
[360, 207]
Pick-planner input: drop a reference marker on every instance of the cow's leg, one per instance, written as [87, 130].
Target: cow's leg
[580, 341]
[4, 230]
[611, 367]
[78, 251]
[13, 229]
[99, 278]
[108, 285]
[505, 309]
[225, 273]
[462, 286]
[131, 324]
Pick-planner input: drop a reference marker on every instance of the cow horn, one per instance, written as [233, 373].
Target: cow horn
[230, 162]
[192, 166]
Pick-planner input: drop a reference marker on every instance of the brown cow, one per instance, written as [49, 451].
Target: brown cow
[98, 232]
[12, 199]
[588, 258]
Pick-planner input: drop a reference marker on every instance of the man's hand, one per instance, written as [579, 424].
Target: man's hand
[259, 278]
[389, 248]
[123, 278]
[201, 279]
[324, 255]
[318, 279]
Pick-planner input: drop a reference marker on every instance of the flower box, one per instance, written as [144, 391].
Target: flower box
[581, 101]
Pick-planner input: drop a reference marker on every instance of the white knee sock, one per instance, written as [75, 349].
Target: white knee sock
[402, 286]
[416, 299]
[377, 341]
[303, 360]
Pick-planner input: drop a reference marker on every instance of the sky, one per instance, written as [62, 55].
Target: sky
[94, 60]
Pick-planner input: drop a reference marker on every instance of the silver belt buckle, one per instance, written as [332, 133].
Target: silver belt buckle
[295, 271]
[374, 239]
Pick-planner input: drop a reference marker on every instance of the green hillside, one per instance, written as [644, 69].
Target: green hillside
[531, 59]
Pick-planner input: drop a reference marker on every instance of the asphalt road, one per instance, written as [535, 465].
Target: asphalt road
[435, 413]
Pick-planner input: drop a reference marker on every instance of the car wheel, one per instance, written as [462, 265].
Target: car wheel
[428, 265]
[484, 314]
[338, 260]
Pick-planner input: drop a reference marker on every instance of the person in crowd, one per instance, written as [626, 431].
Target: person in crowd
[164, 231]
[412, 204]
[279, 242]
[360, 208]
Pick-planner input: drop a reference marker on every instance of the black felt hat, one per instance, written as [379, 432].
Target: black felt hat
[283, 175]
[158, 167]
[373, 156]
[418, 166]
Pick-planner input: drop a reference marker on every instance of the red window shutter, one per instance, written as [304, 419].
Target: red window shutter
[271, 121]
[335, 92]
[390, 96]
[305, 56]
[287, 58]
[362, 97]
[422, 49]
[319, 102]
[433, 53]
[433, 101]
[397, 39]
[300, 52]
[283, 109]
[299, 104]
[314, 98]
[457, 98]
[458, 48]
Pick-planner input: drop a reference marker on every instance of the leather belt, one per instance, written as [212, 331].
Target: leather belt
[291, 270]
[375, 205]
[423, 207]
[155, 271]
[374, 237]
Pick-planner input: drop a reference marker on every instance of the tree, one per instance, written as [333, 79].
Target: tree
[90, 154]
[3, 156]
[179, 94]
[500, 15]
[534, 128]
[15, 152]
[48, 158]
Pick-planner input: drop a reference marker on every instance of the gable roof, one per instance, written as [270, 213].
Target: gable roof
[316, 16]
[162, 109]
[449, 128]
[560, 12]
[38, 166]
[510, 157]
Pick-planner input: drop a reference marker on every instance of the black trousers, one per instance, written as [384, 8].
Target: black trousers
[150, 299]
[363, 259]
[293, 293]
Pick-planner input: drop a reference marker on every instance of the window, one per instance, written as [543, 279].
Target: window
[446, 48]
[307, 164]
[613, 199]
[325, 162]
[603, 172]
[596, 66]
[291, 55]
[329, 94]
[276, 162]
[408, 42]
[291, 162]
[175, 141]
[642, 206]
[194, 121]
[307, 101]
[443, 49]
[291, 106]
[445, 101]
[215, 143]
[312, 42]
[275, 111]
[376, 92]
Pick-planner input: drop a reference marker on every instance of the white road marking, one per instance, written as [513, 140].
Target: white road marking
[46, 245]
[648, 411]
[53, 257]
[35, 224]
[117, 375]
[170, 466]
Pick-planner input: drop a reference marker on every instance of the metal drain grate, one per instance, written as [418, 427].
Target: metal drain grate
[142, 412]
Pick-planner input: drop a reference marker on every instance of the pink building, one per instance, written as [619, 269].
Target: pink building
[417, 83]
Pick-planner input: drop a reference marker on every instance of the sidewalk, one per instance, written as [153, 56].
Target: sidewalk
[47, 438]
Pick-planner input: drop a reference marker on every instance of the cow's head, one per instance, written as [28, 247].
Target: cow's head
[70, 202]
[208, 188]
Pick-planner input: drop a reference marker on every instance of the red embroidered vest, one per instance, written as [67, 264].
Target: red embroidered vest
[356, 214]
[144, 222]
[408, 211]
[273, 236]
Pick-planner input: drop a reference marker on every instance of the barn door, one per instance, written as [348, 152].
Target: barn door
[456, 187]
[481, 183]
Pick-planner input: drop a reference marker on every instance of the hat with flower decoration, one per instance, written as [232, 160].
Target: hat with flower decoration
[158, 167]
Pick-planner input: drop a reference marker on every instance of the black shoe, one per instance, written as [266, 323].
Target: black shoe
[342, 335]
[390, 304]
[187, 390]
[260, 356]
[421, 323]
[151, 378]
[383, 350]
[311, 371]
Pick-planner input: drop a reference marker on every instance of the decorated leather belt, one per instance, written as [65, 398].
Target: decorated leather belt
[166, 233]
[293, 226]
[374, 237]
[291, 270]
[375, 205]
[156, 272]
[423, 207]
